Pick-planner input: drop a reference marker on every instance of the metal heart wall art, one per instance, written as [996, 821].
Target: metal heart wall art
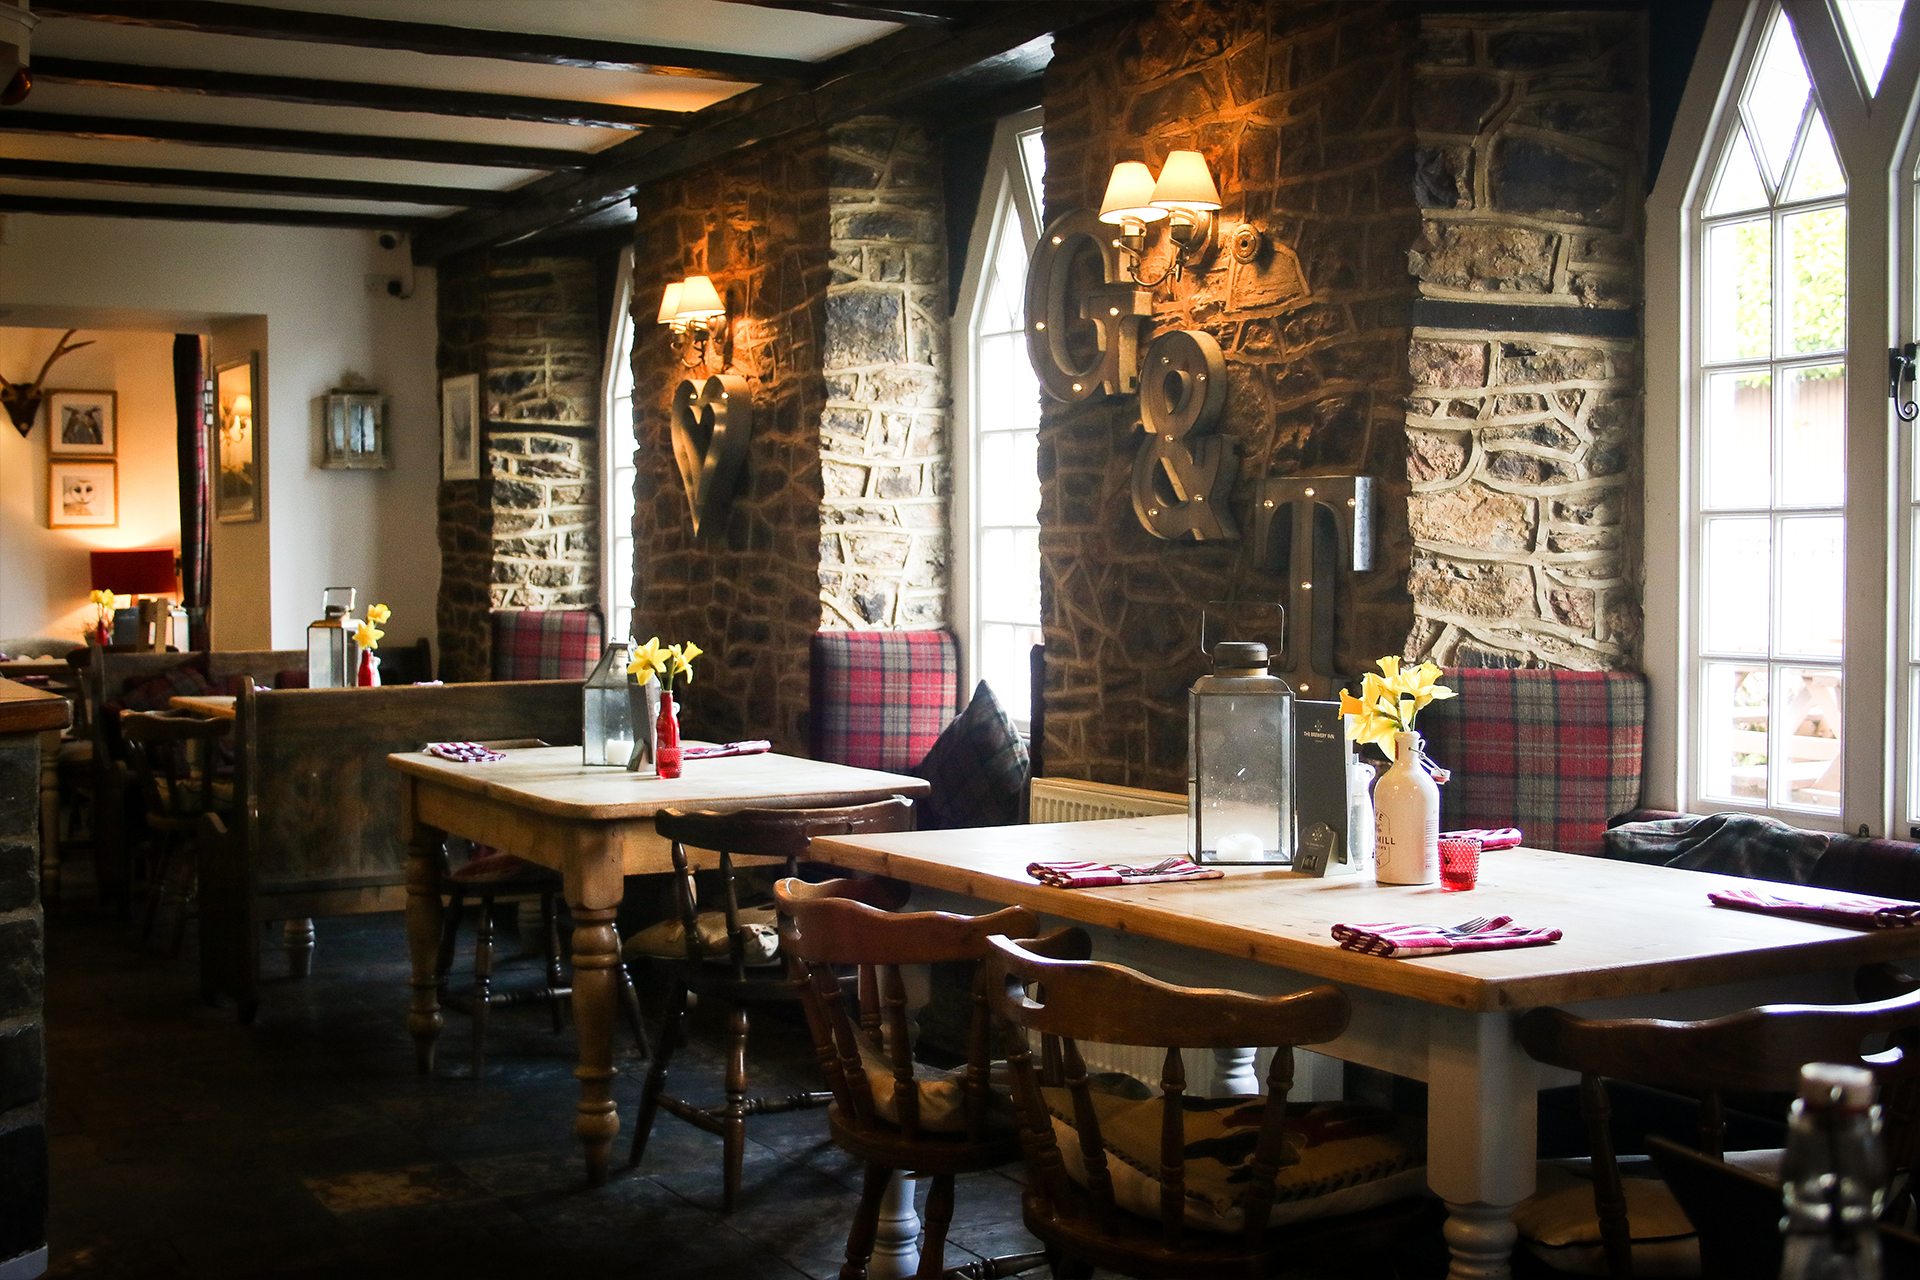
[712, 423]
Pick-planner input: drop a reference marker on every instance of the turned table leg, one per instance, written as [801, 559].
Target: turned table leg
[896, 1251]
[1482, 1093]
[423, 941]
[297, 936]
[593, 886]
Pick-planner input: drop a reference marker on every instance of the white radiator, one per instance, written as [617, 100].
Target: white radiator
[1071, 800]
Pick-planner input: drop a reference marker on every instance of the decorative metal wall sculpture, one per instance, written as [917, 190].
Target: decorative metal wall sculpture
[1329, 523]
[1055, 297]
[712, 424]
[1183, 475]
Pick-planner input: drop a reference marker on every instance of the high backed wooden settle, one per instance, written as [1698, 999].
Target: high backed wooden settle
[317, 821]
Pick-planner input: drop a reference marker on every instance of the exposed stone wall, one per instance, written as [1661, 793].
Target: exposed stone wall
[1525, 423]
[23, 1056]
[885, 456]
[526, 535]
[1303, 112]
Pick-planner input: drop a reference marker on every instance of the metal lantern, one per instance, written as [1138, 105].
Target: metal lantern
[332, 654]
[1240, 761]
[606, 715]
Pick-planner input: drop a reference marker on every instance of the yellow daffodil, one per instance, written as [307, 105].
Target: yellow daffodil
[367, 636]
[1390, 701]
[378, 615]
[649, 659]
[683, 656]
[103, 598]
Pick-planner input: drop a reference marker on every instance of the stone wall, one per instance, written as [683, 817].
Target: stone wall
[525, 535]
[1525, 422]
[885, 457]
[23, 1058]
[1304, 113]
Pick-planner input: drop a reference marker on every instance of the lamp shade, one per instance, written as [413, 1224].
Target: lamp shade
[670, 303]
[144, 572]
[1129, 193]
[1185, 183]
[698, 300]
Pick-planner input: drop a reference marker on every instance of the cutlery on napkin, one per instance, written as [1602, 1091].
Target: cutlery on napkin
[465, 752]
[1099, 875]
[715, 751]
[1860, 912]
[1398, 941]
[1489, 837]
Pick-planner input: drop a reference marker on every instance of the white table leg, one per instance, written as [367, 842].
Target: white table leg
[1234, 1073]
[896, 1248]
[1481, 1106]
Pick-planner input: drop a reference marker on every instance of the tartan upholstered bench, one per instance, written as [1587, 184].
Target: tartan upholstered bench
[545, 644]
[880, 698]
[1555, 753]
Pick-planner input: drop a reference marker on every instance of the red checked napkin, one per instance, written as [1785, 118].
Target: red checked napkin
[714, 752]
[465, 752]
[1859, 912]
[1489, 837]
[1399, 941]
[1099, 875]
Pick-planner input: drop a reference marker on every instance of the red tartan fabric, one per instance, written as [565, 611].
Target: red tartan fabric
[545, 644]
[1555, 753]
[881, 698]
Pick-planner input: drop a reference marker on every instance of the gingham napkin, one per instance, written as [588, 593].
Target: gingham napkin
[465, 752]
[1858, 912]
[1400, 941]
[1489, 837]
[1100, 875]
[715, 751]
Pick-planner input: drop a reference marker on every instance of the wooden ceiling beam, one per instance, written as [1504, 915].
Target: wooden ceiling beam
[347, 93]
[295, 141]
[917, 15]
[256, 183]
[64, 206]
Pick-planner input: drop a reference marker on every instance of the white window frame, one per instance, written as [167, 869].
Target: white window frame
[1874, 143]
[1005, 184]
[618, 441]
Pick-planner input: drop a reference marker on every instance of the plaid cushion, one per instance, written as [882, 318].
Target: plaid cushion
[156, 693]
[1861, 864]
[977, 769]
[545, 644]
[1555, 753]
[881, 698]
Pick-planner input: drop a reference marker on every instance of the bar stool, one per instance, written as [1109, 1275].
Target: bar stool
[716, 955]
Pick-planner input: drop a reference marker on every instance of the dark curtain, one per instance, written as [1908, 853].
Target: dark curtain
[190, 410]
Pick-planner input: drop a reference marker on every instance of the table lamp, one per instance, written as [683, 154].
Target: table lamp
[144, 571]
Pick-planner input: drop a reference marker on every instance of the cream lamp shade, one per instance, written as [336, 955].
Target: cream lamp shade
[1129, 191]
[698, 300]
[670, 303]
[1186, 184]
[243, 406]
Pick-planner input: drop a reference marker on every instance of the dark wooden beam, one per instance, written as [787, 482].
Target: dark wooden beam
[257, 183]
[918, 15]
[263, 23]
[63, 206]
[348, 93]
[870, 78]
[295, 141]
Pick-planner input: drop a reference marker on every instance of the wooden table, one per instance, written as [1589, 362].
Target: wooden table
[594, 826]
[214, 706]
[1639, 941]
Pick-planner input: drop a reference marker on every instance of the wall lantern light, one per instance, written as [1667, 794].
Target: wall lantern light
[692, 308]
[1183, 196]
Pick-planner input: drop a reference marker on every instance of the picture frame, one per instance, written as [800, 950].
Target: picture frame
[238, 424]
[83, 424]
[462, 437]
[353, 435]
[82, 493]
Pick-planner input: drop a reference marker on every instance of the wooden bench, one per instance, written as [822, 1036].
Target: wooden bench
[317, 817]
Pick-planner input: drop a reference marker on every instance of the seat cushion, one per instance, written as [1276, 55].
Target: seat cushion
[879, 699]
[1562, 1227]
[156, 693]
[667, 939]
[1343, 1157]
[545, 644]
[942, 1094]
[488, 866]
[977, 769]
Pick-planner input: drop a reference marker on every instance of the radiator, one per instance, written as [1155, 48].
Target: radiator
[1071, 800]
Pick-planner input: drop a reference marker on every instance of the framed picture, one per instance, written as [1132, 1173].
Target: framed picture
[82, 494]
[81, 423]
[460, 427]
[237, 426]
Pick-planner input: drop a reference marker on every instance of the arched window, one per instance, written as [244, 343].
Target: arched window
[618, 443]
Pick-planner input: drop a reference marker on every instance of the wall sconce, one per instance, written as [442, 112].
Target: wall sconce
[694, 311]
[1184, 196]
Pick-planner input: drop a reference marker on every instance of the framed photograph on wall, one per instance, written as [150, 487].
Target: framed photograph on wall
[82, 494]
[82, 423]
[460, 434]
[237, 426]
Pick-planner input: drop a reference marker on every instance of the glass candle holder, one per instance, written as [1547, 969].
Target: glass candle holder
[1459, 863]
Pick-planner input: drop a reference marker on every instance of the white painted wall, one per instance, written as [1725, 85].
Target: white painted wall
[304, 290]
[44, 573]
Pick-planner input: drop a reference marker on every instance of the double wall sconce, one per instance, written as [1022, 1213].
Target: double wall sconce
[1183, 196]
[692, 307]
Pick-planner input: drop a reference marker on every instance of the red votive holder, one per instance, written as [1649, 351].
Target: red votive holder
[1459, 863]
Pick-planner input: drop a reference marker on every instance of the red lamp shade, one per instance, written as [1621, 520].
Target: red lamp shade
[147, 571]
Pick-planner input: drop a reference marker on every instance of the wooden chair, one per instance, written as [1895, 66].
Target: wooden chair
[1089, 1196]
[171, 758]
[1755, 1051]
[929, 1123]
[727, 976]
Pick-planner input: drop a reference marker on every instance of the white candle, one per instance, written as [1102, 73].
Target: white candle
[1242, 846]
[619, 750]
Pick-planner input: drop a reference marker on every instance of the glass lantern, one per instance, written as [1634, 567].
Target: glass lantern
[332, 655]
[606, 714]
[1240, 761]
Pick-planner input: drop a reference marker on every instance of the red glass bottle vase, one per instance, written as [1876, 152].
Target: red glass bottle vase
[369, 676]
[667, 734]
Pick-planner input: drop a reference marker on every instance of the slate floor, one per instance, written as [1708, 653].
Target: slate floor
[185, 1145]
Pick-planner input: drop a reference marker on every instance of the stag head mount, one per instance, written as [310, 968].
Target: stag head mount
[23, 399]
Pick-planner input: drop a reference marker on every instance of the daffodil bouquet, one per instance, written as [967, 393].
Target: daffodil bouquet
[103, 602]
[1388, 702]
[669, 662]
[368, 634]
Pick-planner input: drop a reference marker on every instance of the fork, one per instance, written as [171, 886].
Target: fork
[1474, 925]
